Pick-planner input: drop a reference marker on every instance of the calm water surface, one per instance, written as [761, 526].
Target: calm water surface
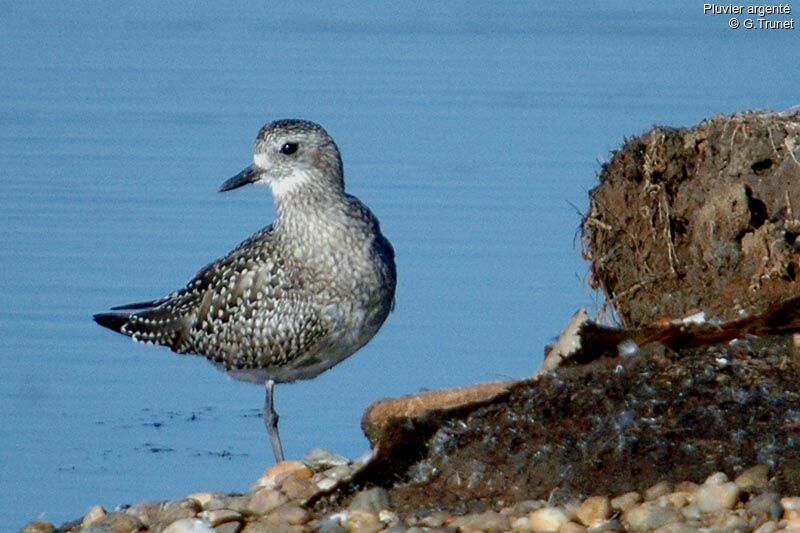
[473, 132]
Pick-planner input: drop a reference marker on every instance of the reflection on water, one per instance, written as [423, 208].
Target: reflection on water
[472, 133]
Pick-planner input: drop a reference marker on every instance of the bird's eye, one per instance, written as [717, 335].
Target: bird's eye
[289, 148]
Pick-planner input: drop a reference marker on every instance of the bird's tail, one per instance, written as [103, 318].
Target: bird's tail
[154, 325]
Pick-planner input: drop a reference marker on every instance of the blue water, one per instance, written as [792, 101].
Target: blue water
[474, 133]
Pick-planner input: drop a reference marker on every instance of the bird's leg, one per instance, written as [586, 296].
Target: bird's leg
[271, 421]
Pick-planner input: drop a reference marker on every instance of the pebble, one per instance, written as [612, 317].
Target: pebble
[189, 525]
[489, 521]
[659, 489]
[299, 488]
[221, 516]
[388, 517]
[205, 499]
[146, 512]
[766, 527]
[677, 500]
[173, 511]
[716, 478]
[276, 503]
[435, 519]
[275, 475]
[648, 516]
[290, 513]
[766, 504]
[319, 459]
[686, 486]
[692, 513]
[625, 501]
[337, 472]
[265, 500]
[754, 478]
[713, 497]
[594, 510]
[606, 527]
[547, 519]
[371, 500]
[676, 527]
[791, 506]
[38, 526]
[95, 515]
[362, 521]
[326, 483]
[522, 508]
[572, 527]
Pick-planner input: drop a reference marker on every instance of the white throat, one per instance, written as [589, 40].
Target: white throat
[289, 184]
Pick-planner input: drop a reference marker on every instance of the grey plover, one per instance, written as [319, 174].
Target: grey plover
[297, 297]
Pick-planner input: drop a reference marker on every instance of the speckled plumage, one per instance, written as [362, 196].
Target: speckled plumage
[298, 296]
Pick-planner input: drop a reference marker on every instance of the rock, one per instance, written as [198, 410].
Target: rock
[338, 472]
[691, 512]
[716, 478]
[265, 500]
[289, 514]
[203, 498]
[648, 516]
[237, 502]
[220, 516]
[325, 484]
[359, 521]
[189, 525]
[522, 508]
[593, 510]
[275, 475]
[732, 522]
[625, 501]
[676, 528]
[299, 487]
[659, 489]
[229, 527]
[146, 512]
[319, 459]
[489, 521]
[434, 519]
[331, 524]
[754, 478]
[117, 522]
[572, 527]
[791, 506]
[676, 500]
[173, 511]
[38, 526]
[372, 500]
[608, 526]
[767, 527]
[95, 515]
[686, 486]
[715, 497]
[389, 518]
[547, 519]
[266, 525]
[766, 504]
[522, 523]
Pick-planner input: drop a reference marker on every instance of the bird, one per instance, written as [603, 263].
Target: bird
[298, 296]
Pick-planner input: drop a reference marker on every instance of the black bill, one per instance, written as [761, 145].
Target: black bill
[249, 175]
